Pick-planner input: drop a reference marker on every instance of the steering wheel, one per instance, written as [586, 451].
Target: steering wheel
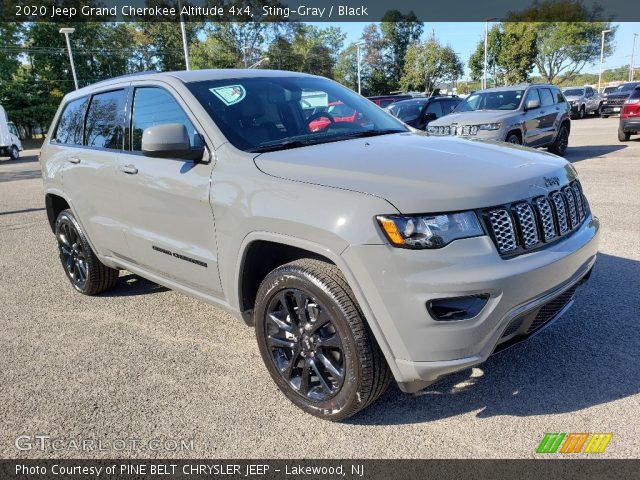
[318, 115]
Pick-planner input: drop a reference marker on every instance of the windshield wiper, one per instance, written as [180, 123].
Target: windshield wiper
[272, 147]
[367, 133]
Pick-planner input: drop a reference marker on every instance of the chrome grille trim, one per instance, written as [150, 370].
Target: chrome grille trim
[546, 218]
[528, 224]
[503, 231]
[561, 212]
[571, 203]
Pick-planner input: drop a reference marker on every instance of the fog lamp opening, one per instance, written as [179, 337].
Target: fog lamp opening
[457, 308]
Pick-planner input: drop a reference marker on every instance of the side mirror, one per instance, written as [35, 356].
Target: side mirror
[430, 117]
[532, 104]
[170, 140]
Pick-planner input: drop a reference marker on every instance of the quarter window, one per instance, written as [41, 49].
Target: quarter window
[70, 125]
[559, 96]
[104, 120]
[546, 97]
[155, 106]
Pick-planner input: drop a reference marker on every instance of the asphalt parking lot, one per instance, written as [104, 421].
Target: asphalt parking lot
[143, 362]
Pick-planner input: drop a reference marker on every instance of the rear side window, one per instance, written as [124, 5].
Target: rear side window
[155, 106]
[559, 96]
[104, 120]
[635, 94]
[545, 97]
[71, 123]
[434, 107]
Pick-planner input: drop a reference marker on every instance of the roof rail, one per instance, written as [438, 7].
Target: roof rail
[127, 75]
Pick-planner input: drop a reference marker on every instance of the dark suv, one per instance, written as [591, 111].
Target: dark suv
[418, 112]
[614, 101]
[630, 116]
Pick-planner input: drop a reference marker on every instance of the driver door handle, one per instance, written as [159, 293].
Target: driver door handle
[129, 169]
[73, 160]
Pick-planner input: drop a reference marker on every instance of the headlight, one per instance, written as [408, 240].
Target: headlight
[429, 231]
[489, 126]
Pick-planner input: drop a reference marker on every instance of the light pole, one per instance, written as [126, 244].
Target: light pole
[633, 62]
[244, 55]
[604, 32]
[66, 32]
[184, 39]
[358, 45]
[486, 41]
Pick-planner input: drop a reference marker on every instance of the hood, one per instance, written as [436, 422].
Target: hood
[474, 118]
[422, 174]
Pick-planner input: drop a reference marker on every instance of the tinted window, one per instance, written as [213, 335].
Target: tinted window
[546, 97]
[407, 111]
[155, 106]
[448, 106]
[434, 107]
[532, 95]
[70, 125]
[559, 96]
[635, 94]
[104, 120]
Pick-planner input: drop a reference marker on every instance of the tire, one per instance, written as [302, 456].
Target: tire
[332, 328]
[87, 274]
[581, 112]
[560, 144]
[14, 153]
[514, 139]
[623, 136]
[596, 112]
[604, 116]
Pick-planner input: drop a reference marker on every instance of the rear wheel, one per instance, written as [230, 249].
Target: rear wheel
[87, 274]
[14, 153]
[560, 144]
[623, 136]
[581, 113]
[315, 342]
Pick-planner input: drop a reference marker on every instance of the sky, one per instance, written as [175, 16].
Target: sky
[464, 37]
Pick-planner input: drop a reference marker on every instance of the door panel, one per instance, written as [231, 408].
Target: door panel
[532, 120]
[170, 224]
[549, 113]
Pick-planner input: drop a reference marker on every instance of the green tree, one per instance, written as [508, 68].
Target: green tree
[10, 39]
[428, 64]
[399, 31]
[210, 53]
[346, 69]
[476, 60]
[565, 48]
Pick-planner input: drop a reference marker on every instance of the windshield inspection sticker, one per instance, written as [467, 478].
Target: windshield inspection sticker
[230, 94]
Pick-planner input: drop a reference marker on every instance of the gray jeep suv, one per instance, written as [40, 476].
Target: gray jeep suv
[360, 251]
[531, 115]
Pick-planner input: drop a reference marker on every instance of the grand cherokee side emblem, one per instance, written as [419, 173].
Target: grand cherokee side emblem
[551, 181]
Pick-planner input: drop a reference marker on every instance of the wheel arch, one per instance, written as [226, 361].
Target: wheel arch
[55, 203]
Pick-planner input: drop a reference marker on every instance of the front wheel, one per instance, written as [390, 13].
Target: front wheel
[315, 342]
[559, 146]
[14, 153]
[604, 116]
[87, 274]
[514, 139]
[581, 113]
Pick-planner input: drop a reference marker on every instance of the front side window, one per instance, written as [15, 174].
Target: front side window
[258, 114]
[155, 106]
[104, 120]
[70, 126]
[12, 129]
[533, 95]
[492, 100]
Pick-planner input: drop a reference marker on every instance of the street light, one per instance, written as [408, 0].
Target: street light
[486, 37]
[184, 39]
[358, 45]
[66, 32]
[244, 55]
[633, 62]
[604, 32]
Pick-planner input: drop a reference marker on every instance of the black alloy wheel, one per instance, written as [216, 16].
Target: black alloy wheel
[561, 142]
[85, 271]
[304, 344]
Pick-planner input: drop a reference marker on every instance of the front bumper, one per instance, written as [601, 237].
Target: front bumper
[397, 283]
[610, 109]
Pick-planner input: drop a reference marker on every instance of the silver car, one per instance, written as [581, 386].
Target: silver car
[531, 115]
[583, 101]
[359, 250]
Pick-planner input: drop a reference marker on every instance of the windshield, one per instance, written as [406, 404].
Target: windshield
[573, 92]
[609, 89]
[406, 111]
[496, 100]
[626, 87]
[272, 113]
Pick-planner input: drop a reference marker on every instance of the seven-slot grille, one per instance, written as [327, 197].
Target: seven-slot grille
[528, 224]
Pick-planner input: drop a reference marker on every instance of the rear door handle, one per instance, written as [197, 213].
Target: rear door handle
[73, 160]
[129, 169]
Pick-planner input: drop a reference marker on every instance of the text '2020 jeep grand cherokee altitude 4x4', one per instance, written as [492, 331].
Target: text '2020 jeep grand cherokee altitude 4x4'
[362, 251]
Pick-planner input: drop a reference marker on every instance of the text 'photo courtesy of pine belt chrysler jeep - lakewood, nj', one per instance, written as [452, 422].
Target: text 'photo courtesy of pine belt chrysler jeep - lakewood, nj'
[361, 252]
